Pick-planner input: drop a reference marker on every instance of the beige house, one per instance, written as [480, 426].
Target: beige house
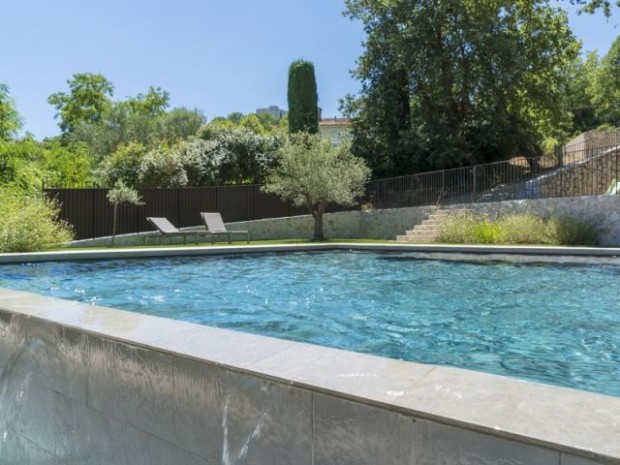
[334, 128]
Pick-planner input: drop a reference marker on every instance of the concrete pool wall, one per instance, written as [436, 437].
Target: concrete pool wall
[81, 384]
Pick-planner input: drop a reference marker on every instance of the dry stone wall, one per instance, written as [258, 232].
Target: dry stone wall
[388, 223]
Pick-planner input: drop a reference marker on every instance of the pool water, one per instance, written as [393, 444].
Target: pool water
[557, 324]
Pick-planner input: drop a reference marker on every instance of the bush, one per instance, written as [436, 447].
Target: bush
[568, 230]
[486, 232]
[459, 229]
[526, 228]
[522, 229]
[29, 223]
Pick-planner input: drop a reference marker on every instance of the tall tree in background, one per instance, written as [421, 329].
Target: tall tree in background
[88, 98]
[10, 121]
[303, 110]
[485, 80]
[605, 91]
[591, 6]
[580, 92]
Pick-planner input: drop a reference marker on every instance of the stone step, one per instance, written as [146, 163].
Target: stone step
[432, 221]
[428, 230]
[427, 227]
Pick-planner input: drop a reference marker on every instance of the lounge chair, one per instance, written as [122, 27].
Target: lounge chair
[215, 226]
[166, 228]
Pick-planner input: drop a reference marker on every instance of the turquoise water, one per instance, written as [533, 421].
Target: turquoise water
[557, 324]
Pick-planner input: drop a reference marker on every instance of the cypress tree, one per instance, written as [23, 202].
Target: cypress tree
[303, 110]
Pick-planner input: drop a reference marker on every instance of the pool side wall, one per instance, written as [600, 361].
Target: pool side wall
[89, 385]
[388, 223]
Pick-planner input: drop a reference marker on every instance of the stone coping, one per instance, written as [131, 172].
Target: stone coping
[571, 421]
[437, 251]
[577, 422]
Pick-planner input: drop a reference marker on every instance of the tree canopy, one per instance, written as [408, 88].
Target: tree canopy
[88, 98]
[591, 6]
[456, 82]
[10, 121]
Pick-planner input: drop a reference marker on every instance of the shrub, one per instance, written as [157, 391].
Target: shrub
[568, 230]
[29, 223]
[525, 228]
[486, 232]
[521, 229]
[459, 229]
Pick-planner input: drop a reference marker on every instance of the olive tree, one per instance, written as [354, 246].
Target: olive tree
[119, 195]
[313, 173]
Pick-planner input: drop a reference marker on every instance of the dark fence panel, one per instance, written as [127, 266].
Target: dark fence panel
[77, 208]
[89, 211]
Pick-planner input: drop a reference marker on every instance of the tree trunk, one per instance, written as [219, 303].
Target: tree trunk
[317, 214]
[318, 226]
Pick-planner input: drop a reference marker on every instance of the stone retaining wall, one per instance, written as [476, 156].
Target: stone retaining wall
[388, 223]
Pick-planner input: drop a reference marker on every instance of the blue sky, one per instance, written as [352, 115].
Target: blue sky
[219, 57]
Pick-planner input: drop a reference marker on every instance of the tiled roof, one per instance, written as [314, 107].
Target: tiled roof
[334, 122]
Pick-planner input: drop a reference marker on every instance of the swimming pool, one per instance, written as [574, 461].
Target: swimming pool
[554, 323]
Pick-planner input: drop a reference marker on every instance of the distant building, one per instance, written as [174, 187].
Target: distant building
[334, 128]
[275, 111]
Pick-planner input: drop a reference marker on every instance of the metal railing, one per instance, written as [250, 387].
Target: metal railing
[567, 174]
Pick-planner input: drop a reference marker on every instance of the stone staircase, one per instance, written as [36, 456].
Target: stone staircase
[428, 229]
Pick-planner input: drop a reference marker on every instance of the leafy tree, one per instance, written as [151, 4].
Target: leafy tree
[10, 121]
[591, 6]
[215, 127]
[154, 103]
[254, 124]
[381, 123]
[68, 166]
[202, 161]
[485, 80]
[303, 110]
[161, 167]
[581, 87]
[124, 164]
[269, 123]
[244, 154]
[179, 124]
[311, 172]
[605, 90]
[235, 117]
[19, 165]
[88, 98]
[121, 194]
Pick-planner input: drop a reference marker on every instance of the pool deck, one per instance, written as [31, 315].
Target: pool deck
[583, 427]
